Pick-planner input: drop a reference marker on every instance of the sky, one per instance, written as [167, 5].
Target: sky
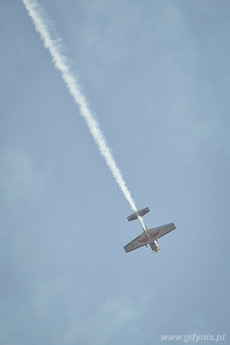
[156, 77]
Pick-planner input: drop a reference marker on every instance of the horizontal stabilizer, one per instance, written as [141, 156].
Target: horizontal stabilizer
[141, 213]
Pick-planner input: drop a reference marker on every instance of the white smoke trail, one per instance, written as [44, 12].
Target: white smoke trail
[61, 63]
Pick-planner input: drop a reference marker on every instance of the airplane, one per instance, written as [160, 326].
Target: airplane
[148, 236]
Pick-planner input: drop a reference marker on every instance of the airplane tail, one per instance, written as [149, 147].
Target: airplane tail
[141, 213]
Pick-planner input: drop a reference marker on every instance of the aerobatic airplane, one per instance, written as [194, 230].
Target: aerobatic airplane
[148, 236]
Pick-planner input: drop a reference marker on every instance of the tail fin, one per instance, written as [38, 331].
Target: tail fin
[141, 213]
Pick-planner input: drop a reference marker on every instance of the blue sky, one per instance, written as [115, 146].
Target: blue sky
[156, 77]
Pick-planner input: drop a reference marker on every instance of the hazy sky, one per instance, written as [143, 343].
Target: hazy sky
[156, 75]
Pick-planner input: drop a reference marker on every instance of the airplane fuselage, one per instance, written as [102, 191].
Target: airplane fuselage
[154, 245]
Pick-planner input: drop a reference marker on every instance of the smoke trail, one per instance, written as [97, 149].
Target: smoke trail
[61, 63]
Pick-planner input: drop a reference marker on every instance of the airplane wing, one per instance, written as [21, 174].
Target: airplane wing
[141, 240]
[160, 231]
[153, 234]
